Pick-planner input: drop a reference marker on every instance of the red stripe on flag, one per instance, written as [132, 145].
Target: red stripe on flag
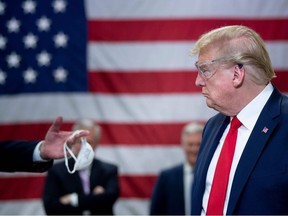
[143, 82]
[137, 186]
[31, 187]
[27, 131]
[178, 29]
[156, 82]
[15, 188]
[281, 80]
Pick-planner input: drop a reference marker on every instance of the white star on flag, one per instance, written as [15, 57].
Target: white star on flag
[29, 6]
[13, 60]
[43, 24]
[30, 40]
[2, 77]
[30, 76]
[43, 58]
[59, 6]
[2, 7]
[60, 40]
[60, 74]
[13, 25]
[3, 42]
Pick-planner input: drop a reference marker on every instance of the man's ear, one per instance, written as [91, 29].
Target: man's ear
[239, 74]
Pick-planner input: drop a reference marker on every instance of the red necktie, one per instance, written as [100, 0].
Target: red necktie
[221, 176]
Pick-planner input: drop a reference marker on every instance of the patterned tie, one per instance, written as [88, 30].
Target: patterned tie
[221, 176]
[85, 180]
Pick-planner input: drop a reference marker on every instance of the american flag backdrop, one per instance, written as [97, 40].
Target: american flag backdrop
[122, 63]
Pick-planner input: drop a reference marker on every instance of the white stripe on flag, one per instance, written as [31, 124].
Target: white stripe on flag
[133, 9]
[131, 160]
[132, 207]
[105, 108]
[35, 207]
[22, 207]
[160, 56]
[141, 160]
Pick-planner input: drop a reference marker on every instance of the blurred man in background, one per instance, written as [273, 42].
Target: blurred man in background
[171, 195]
[92, 190]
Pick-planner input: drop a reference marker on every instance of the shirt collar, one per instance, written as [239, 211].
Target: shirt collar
[250, 113]
[187, 168]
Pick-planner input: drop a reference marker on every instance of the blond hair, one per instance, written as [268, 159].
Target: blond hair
[192, 128]
[243, 46]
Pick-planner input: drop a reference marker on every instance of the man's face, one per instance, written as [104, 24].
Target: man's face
[218, 88]
[191, 144]
[92, 140]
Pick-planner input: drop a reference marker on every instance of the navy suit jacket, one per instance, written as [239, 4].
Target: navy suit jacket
[260, 184]
[17, 155]
[168, 194]
[59, 183]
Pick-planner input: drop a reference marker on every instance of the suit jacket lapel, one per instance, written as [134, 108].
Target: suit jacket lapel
[263, 129]
[74, 179]
[204, 159]
[95, 171]
[180, 184]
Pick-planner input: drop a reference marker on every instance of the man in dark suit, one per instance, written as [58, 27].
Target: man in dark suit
[36, 156]
[171, 195]
[92, 190]
[234, 72]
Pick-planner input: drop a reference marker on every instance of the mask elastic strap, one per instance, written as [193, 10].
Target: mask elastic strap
[65, 147]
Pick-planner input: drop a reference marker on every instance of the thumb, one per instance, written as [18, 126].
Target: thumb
[55, 127]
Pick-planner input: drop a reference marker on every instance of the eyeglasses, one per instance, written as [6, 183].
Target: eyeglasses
[206, 69]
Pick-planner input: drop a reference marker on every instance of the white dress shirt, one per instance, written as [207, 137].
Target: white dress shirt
[248, 117]
[188, 179]
[36, 153]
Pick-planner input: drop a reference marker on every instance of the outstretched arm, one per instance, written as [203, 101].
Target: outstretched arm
[17, 155]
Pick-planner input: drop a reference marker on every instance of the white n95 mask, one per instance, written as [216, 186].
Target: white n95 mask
[85, 155]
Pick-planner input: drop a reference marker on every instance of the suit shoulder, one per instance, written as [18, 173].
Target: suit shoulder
[172, 170]
[278, 100]
[285, 103]
[215, 121]
[106, 165]
[217, 117]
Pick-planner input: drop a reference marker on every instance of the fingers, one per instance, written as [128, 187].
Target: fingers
[74, 137]
[55, 127]
[98, 190]
[82, 133]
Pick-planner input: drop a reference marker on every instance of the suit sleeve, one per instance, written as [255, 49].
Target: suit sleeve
[157, 205]
[54, 188]
[18, 156]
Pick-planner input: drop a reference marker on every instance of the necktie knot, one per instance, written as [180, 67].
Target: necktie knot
[235, 123]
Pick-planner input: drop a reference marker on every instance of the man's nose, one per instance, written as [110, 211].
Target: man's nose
[199, 81]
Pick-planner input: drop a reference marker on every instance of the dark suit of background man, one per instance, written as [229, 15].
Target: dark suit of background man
[235, 72]
[64, 193]
[36, 156]
[172, 192]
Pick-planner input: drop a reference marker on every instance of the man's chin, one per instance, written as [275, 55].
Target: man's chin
[209, 103]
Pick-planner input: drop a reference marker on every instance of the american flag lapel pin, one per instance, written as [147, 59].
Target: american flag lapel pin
[265, 130]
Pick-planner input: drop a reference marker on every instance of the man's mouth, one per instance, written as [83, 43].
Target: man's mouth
[204, 94]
